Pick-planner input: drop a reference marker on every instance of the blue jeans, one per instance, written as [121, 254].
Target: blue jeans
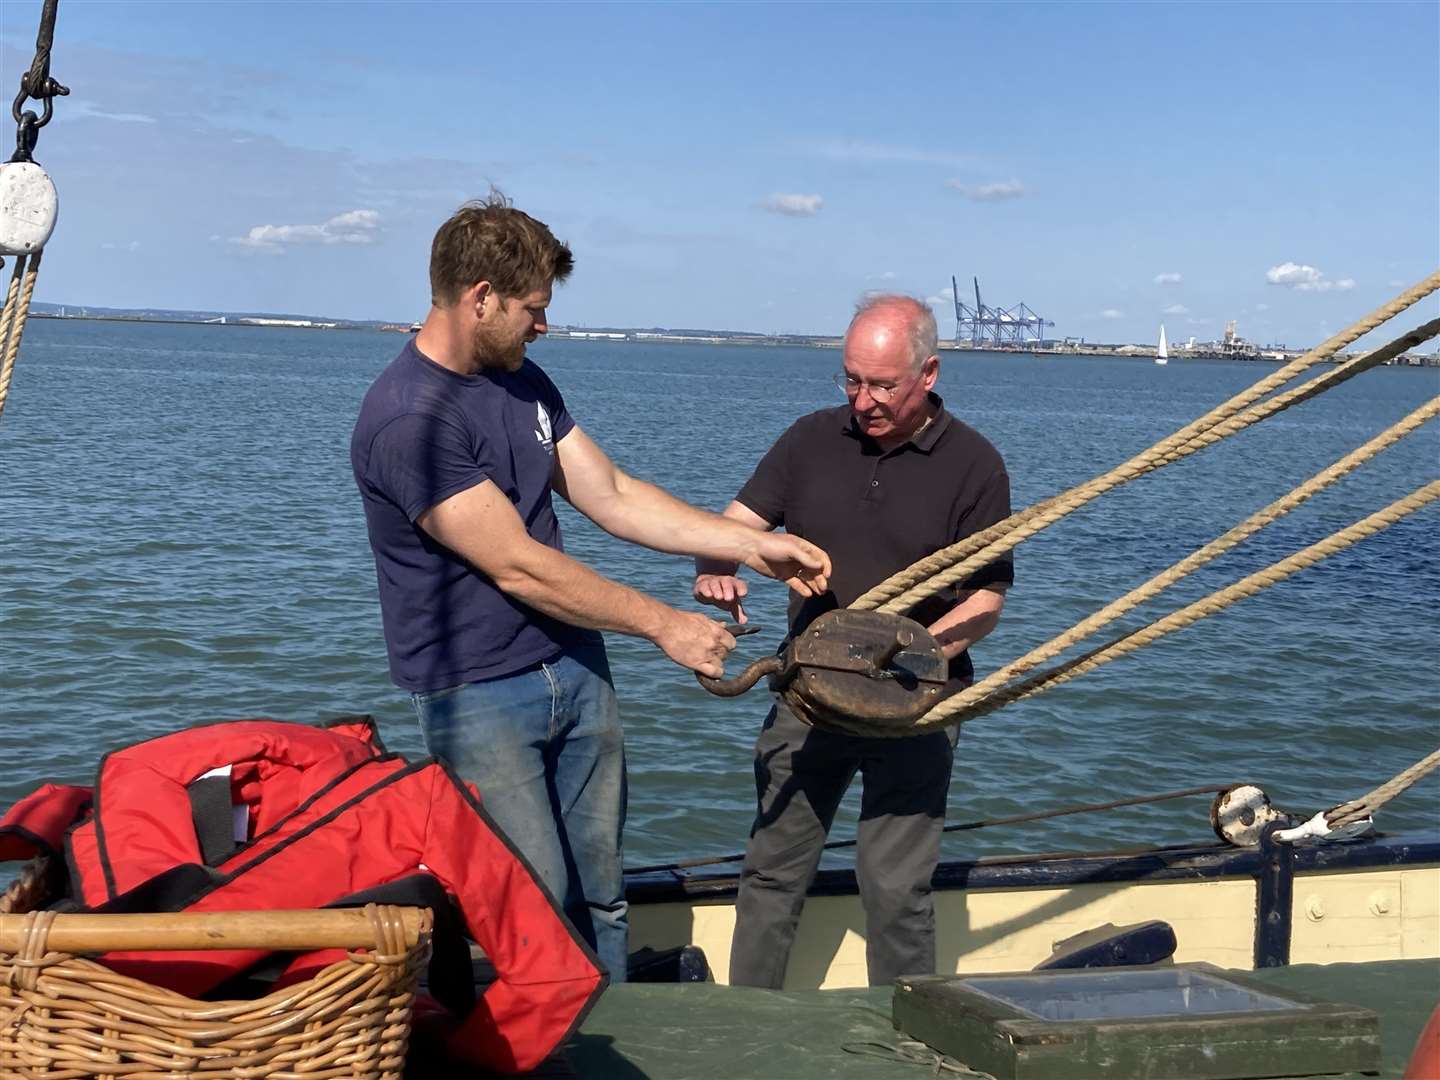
[547, 753]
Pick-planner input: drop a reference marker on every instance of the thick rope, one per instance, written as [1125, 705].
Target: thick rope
[1188, 565]
[1365, 806]
[952, 712]
[895, 587]
[14, 316]
[1053, 510]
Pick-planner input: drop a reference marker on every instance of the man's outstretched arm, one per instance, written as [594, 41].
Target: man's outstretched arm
[645, 514]
[481, 526]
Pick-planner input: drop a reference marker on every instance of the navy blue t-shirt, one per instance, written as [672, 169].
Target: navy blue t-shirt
[426, 433]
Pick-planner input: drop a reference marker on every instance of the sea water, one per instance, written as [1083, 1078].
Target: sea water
[181, 542]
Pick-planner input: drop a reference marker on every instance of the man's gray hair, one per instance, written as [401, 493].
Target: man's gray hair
[924, 335]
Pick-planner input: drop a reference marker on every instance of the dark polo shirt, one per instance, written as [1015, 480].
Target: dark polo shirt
[877, 512]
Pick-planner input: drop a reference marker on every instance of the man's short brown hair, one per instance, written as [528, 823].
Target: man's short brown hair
[489, 240]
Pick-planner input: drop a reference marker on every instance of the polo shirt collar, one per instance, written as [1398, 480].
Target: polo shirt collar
[926, 440]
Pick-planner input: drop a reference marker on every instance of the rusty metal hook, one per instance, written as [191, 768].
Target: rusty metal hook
[766, 665]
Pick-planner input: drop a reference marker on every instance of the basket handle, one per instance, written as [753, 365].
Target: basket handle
[382, 927]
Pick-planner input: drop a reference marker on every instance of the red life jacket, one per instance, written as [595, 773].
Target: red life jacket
[325, 814]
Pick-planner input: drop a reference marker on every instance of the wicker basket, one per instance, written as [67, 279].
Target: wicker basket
[66, 1017]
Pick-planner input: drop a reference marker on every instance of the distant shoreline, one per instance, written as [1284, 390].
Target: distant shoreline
[817, 341]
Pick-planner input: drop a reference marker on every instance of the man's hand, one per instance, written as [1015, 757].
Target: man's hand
[695, 642]
[798, 563]
[725, 591]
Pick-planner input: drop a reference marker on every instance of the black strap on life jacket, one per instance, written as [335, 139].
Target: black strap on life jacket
[213, 816]
[170, 890]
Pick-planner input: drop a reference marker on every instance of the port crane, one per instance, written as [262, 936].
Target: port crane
[997, 326]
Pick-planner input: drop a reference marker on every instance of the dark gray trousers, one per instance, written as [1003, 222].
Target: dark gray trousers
[801, 773]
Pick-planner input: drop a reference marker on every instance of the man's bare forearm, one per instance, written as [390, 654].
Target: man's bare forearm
[648, 515]
[977, 613]
[551, 582]
[736, 511]
[481, 526]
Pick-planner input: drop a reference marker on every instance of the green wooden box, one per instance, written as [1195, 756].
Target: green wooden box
[1190, 1021]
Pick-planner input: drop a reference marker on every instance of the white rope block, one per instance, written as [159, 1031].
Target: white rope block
[28, 206]
[1240, 814]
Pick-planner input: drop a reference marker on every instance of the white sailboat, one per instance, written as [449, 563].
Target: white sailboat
[1162, 353]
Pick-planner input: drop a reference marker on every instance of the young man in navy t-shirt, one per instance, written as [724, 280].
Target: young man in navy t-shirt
[492, 628]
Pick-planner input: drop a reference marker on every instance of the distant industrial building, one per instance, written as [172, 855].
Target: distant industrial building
[257, 321]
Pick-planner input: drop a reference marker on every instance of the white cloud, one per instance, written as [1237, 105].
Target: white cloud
[1304, 278]
[792, 204]
[1112, 313]
[1396, 283]
[995, 191]
[888, 275]
[1168, 279]
[1293, 274]
[1176, 309]
[351, 227]
[1262, 307]
[360, 220]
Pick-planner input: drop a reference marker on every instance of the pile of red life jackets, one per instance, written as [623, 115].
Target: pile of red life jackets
[260, 814]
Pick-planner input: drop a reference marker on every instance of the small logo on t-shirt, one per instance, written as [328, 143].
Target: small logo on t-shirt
[543, 434]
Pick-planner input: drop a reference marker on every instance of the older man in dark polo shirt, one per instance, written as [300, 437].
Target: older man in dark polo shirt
[879, 483]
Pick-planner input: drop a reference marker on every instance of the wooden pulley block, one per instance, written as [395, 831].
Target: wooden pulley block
[861, 665]
[852, 671]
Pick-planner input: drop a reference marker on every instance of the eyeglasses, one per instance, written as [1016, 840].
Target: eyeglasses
[878, 391]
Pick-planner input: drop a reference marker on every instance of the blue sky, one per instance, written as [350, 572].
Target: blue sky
[753, 166]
